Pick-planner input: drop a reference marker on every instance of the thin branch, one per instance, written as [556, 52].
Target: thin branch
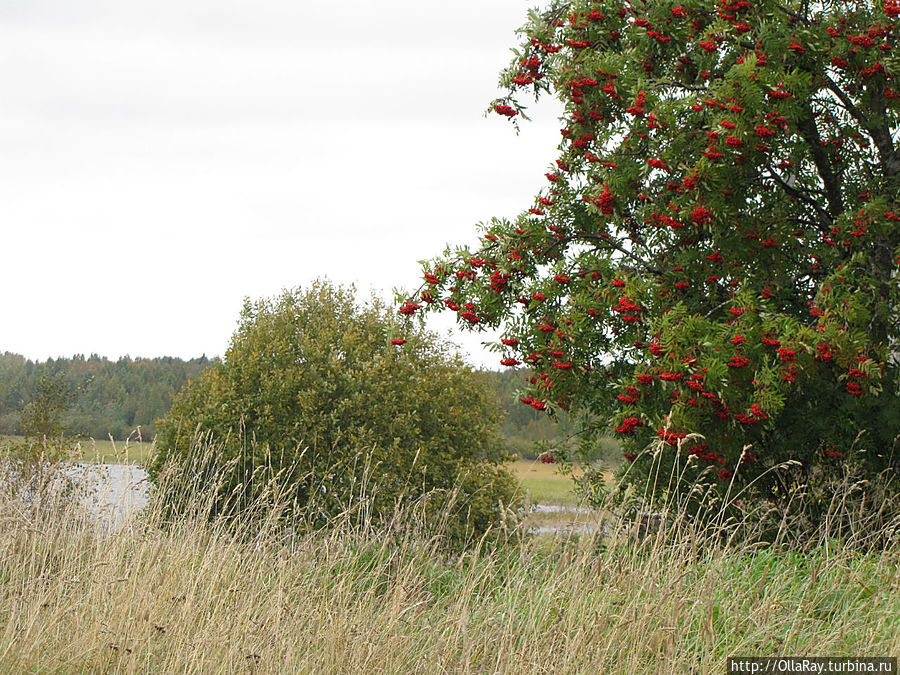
[798, 17]
[797, 194]
[680, 85]
[717, 308]
[847, 102]
[609, 243]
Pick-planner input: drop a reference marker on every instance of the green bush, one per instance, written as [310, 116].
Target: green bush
[320, 393]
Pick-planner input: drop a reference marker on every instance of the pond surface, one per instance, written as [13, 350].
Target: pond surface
[558, 508]
[112, 492]
[116, 492]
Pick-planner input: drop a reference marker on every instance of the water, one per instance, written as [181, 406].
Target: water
[558, 508]
[112, 492]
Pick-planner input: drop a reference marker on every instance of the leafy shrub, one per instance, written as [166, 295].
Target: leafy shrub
[323, 393]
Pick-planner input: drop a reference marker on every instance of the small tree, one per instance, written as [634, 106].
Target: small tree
[41, 417]
[326, 390]
[711, 271]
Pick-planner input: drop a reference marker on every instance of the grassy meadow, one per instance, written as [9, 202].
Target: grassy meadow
[191, 596]
[195, 597]
[545, 483]
[102, 451]
[114, 452]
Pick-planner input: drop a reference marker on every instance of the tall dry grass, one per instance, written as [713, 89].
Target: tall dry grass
[195, 596]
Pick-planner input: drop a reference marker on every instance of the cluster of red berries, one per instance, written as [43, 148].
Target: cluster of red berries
[670, 437]
[854, 388]
[408, 308]
[702, 451]
[535, 403]
[628, 309]
[738, 362]
[629, 424]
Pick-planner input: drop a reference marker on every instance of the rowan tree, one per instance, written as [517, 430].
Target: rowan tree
[712, 264]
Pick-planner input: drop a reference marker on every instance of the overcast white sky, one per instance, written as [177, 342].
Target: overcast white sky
[160, 161]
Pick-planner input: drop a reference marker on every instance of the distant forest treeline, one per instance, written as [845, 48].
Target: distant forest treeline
[115, 397]
[105, 397]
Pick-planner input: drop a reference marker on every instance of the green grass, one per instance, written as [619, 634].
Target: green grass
[546, 484]
[102, 451]
[114, 452]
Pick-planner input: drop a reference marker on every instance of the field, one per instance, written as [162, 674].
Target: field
[103, 451]
[544, 483]
[191, 597]
[115, 452]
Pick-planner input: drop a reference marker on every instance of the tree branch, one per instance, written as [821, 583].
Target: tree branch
[798, 17]
[680, 85]
[879, 133]
[825, 227]
[810, 132]
[609, 243]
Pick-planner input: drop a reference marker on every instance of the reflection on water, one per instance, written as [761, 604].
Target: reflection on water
[112, 492]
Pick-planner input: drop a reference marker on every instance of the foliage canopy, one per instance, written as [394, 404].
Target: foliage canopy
[713, 262]
[320, 388]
